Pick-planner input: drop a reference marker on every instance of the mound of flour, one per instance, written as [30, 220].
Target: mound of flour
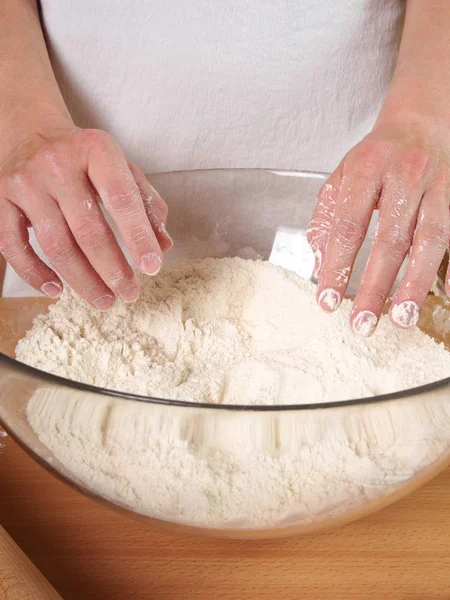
[233, 331]
[229, 331]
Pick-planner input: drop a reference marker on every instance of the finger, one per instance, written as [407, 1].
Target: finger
[430, 242]
[110, 175]
[93, 235]
[16, 248]
[320, 224]
[393, 237]
[155, 207]
[59, 245]
[358, 195]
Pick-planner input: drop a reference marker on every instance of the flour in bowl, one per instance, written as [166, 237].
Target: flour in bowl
[233, 331]
[229, 331]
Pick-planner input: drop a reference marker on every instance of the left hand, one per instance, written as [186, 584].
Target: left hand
[403, 171]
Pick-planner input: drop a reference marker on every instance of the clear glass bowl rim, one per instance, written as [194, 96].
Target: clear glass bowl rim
[15, 365]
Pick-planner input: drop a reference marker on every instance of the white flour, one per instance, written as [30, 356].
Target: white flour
[233, 331]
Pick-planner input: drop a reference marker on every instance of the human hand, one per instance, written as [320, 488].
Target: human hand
[54, 182]
[406, 176]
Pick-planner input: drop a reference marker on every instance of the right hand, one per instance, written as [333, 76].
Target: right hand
[53, 182]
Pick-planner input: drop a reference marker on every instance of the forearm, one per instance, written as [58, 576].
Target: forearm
[420, 89]
[30, 99]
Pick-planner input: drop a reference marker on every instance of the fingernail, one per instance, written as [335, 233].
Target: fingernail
[317, 263]
[405, 314]
[150, 263]
[329, 299]
[365, 323]
[163, 230]
[51, 289]
[103, 303]
[130, 294]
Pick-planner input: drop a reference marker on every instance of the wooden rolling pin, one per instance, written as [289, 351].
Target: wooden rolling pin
[19, 578]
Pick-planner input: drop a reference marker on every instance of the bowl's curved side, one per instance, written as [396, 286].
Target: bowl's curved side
[304, 529]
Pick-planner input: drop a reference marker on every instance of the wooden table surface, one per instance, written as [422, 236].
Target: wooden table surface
[88, 552]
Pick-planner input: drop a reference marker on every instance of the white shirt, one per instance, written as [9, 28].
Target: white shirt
[225, 83]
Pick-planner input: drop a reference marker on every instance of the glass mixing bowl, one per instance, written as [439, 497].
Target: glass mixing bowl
[227, 213]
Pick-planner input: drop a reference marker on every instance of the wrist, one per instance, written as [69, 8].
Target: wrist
[415, 108]
[25, 123]
[417, 124]
[415, 128]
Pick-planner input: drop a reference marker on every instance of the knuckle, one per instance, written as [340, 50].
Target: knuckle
[29, 270]
[93, 138]
[20, 180]
[326, 204]
[57, 247]
[53, 154]
[368, 159]
[340, 276]
[436, 231]
[118, 279]
[376, 296]
[413, 165]
[318, 230]
[349, 232]
[395, 238]
[10, 244]
[54, 159]
[124, 202]
[89, 289]
[327, 192]
[91, 234]
[321, 222]
[141, 236]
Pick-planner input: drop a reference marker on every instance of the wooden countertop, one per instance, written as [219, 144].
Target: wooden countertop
[88, 552]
